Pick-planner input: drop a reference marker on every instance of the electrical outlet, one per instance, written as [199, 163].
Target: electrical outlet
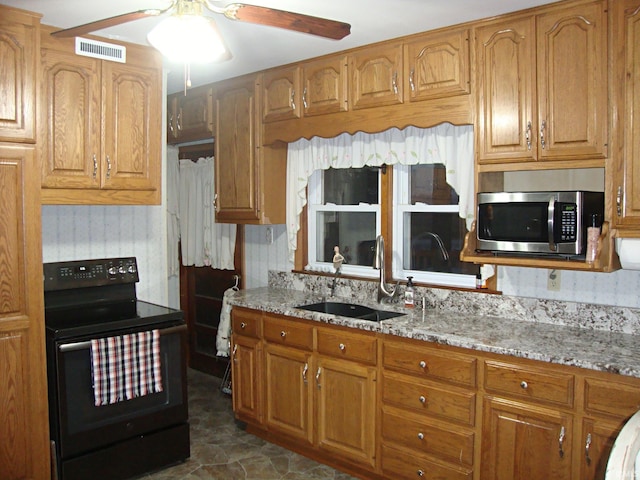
[269, 236]
[553, 280]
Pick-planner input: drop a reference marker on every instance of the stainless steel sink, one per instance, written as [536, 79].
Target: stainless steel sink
[350, 310]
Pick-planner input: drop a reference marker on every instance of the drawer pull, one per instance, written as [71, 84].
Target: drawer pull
[420, 473]
[524, 385]
[561, 443]
[342, 347]
[243, 325]
[587, 447]
[422, 399]
[423, 364]
[421, 436]
[283, 334]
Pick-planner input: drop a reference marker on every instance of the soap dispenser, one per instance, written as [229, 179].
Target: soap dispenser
[409, 301]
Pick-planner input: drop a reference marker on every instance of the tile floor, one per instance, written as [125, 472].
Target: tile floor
[220, 450]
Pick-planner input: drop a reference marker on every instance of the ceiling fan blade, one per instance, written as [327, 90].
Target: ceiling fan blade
[288, 20]
[106, 23]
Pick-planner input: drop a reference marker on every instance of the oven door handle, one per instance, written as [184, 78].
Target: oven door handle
[70, 347]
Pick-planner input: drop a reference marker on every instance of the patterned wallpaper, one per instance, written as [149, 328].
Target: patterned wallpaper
[85, 232]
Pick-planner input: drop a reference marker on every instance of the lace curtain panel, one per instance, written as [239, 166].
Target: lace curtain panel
[447, 144]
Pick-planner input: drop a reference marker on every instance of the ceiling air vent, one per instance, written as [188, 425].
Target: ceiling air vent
[102, 50]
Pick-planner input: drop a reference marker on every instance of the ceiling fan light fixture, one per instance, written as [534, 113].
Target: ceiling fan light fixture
[188, 39]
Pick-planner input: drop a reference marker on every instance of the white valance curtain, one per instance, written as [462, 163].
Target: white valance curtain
[447, 144]
[203, 242]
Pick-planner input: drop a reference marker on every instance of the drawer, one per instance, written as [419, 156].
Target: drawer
[246, 322]
[399, 464]
[619, 399]
[428, 362]
[288, 332]
[451, 444]
[533, 384]
[430, 398]
[349, 346]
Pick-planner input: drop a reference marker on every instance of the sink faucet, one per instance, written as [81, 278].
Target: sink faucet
[378, 264]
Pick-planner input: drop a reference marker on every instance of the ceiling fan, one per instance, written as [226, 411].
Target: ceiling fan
[321, 27]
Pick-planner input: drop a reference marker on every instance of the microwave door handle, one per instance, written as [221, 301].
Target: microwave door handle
[550, 221]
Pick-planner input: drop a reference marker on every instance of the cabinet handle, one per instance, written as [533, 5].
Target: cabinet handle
[619, 201]
[283, 334]
[170, 122]
[561, 442]
[108, 167]
[423, 399]
[95, 166]
[394, 82]
[304, 373]
[318, 377]
[586, 449]
[243, 325]
[411, 84]
[420, 473]
[304, 98]
[179, 121]
[215, 202]
[233, 354]
[524, 385]
[421, 436]
[423, 364]
[528, 135]
[342, 347]
[292, 100]
[542, 127]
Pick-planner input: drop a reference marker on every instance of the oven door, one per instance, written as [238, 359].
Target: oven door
[82, 426]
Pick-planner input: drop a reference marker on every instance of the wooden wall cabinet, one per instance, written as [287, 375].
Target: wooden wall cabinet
[542, 86]
[282, 94]
[191, 116]
[19, 46]
[250, 180]
[626, 184]
[324, 85]
[99, 126]
[376, 76]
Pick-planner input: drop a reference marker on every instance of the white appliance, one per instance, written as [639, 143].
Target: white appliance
[624, 461]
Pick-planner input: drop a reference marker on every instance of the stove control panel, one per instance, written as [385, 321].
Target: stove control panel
[90, 273]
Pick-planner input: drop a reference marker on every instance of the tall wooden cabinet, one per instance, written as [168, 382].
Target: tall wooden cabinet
[99, 127]
[542, 86]
[24, 425]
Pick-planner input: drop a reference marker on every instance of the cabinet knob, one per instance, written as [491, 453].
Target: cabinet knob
[342, 347]
[422, 399]
[283, 334]
[420, 473]
[524, 385]
[421, 436]
[243, 325]
[423, 364]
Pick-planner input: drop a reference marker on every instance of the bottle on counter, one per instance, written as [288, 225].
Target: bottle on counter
[593, 236]
[409, 299]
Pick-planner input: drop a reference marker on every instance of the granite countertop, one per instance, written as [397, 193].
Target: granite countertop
[581, 347]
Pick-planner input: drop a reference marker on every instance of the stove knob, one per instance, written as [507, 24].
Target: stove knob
[122, 269]
[112, 270]
[132, 269]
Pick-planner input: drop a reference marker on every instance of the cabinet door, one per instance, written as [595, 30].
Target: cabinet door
[195, 119]
[346, 409]
[376, 76]
[628, 187]
[594, 446]
[572, 82]
[505, 61]
[19, 33]
[281, 94]
[324, 86]
[69, 127]
[23, 392]
[437, 66]
[236, 166]
[289, 391]
[132, 127]
[523, 442]
[246, 371]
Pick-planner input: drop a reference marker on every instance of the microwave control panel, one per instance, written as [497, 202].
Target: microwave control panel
[568, 222]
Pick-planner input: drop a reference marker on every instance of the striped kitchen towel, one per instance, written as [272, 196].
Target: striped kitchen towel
[125, 367]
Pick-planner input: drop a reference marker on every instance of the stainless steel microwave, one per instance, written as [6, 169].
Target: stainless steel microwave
[539, 223]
